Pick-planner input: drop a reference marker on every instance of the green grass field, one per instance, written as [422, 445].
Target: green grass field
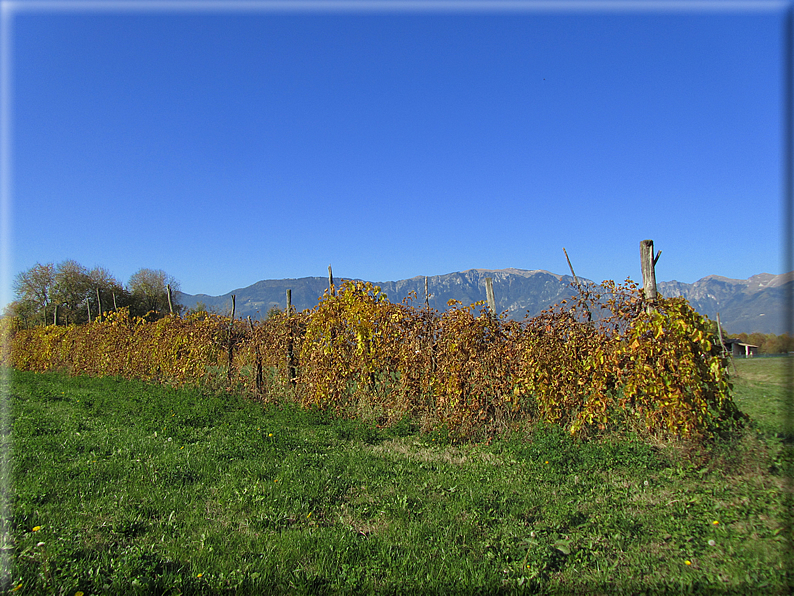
[126, 488]
[760, 390]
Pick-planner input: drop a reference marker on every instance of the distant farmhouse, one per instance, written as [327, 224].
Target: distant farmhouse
[740, 349]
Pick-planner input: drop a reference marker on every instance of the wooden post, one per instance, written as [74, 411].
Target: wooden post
[293, 376]
[719, 332]
[55, 316]
[331, 282]
[648, 263]
[88, 307]
[575, 279]
[258, 378]
[489, 293]
[230, 354]
[170, 302]
[578, 286]
[722, 343]
[98, 302]
[114, 302]
[427, 296]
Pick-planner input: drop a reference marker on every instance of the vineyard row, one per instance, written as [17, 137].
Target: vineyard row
[608, 358]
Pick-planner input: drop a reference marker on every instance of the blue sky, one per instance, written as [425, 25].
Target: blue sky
[227, 147]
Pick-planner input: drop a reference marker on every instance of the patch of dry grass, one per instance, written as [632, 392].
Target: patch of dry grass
[413, 450]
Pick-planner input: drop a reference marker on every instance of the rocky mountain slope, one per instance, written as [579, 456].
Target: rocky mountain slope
[755, 304]
[745, 305]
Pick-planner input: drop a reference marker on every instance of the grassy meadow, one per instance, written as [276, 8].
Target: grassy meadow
[122, 487]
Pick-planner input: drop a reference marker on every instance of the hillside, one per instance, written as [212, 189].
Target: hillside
[749, 305]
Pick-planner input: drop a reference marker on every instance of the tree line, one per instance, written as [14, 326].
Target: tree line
[768, 343]
[69, 293]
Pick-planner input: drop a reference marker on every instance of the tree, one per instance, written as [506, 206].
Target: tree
[757, 339]
[24, 311]
[33, 288]
[148, 288]
[71, 291]
[111, 292]
[786, 343]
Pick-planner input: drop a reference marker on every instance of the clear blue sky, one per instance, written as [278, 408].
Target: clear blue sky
[231, 147]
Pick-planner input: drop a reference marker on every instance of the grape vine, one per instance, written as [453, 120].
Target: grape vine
[603, 360]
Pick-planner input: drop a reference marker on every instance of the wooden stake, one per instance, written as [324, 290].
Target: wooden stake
[170, 303]
[258, 377]
[719, 332]
[722, 343]
[98, 302]
[648, 272]
[331, 282]
[578, 286]
[55, 316]
[575, 279]
[489, 293]
[427, 296]
[114, 302]
[293, 376]
[88, 307]
[230, 354]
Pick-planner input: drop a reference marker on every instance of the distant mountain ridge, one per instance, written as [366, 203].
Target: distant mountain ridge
[749, 305]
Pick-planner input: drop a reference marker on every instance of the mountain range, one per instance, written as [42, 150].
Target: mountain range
[749, 305]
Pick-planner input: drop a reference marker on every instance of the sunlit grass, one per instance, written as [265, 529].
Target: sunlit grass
[762, 389]
[126, 488]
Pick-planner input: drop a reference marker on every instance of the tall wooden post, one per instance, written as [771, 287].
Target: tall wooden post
[489, 293]
[55, 316]
[230, 354]
[648, 263]
[290, 345]
[258, 377]
[575, 279]
[722, 343]
[114, 302]
[427, 296]
[98, 302]
[578, 286]
[331, 282]
[88, 308]
[170, 302]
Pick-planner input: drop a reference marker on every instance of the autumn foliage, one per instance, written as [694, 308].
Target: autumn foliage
[603, 361]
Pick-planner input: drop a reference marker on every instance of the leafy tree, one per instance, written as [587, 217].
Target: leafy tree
[767, 343]
[111, 292]
[71, 291]
[786, 343]
[24, 311]
[34, 289]
[757, 339]
[148, 288]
